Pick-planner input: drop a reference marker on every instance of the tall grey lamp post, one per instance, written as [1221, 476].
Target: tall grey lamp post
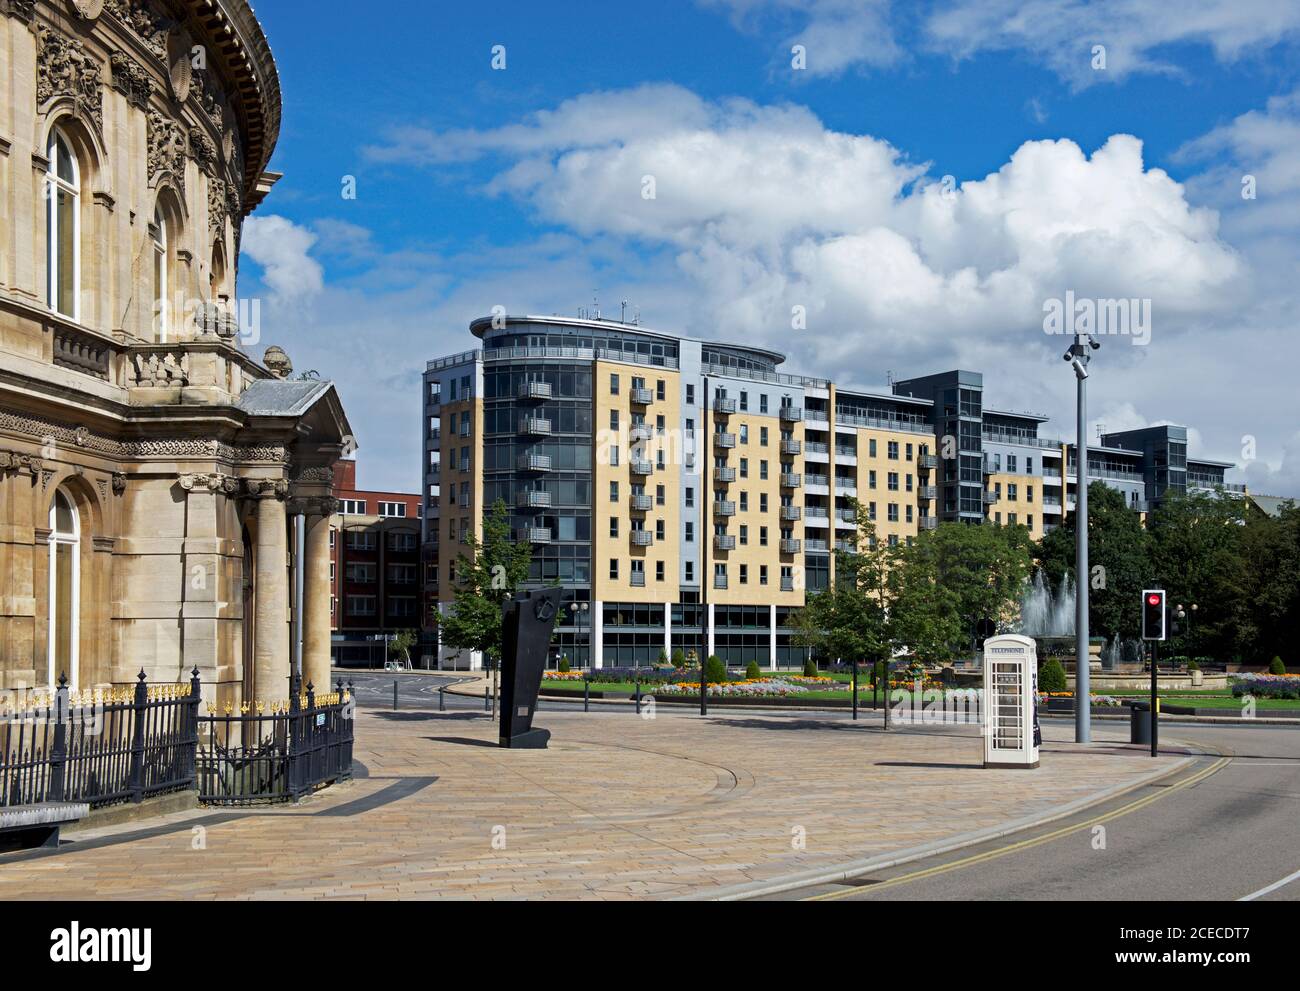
[1078, 357]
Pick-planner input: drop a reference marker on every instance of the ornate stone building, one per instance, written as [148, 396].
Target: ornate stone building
[152, 472]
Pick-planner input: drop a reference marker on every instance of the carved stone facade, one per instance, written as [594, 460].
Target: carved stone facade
[151, 468]
[65, 69]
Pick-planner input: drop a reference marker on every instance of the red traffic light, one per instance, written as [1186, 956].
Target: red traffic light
[1153, 600]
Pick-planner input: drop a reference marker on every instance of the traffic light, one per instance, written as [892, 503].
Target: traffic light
[1153, 614]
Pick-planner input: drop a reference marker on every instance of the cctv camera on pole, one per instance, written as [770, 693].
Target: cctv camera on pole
[1078, 357]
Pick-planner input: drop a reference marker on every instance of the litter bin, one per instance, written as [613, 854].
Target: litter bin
[1140, 722]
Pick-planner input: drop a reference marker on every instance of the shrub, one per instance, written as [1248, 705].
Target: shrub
[752, 672]
[1051, 677]
[564, 664]
[1194, 664]
[715, 671]
[810, 668]
[663, 657]
[679, 659]
[1275, 666]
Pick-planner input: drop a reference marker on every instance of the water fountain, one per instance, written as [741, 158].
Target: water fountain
[1049, 619]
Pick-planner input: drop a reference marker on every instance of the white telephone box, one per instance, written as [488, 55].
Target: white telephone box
[1011, 734]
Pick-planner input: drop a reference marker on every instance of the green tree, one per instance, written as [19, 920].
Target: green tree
[715, 672]
[488, 575]
[1272, 546]
[1051, 677]
[952, 577]
[847, 620]
[401, 644]
[1117, 561]
[679, 659]
[1198, 544]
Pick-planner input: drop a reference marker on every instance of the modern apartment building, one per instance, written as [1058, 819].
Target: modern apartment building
[687, 494]
[376, 587]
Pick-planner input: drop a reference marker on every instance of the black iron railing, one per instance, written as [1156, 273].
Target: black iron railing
[101, 746]
[278, 751]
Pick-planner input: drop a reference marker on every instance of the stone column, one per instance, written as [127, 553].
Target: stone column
[316, 597]
[271, 591]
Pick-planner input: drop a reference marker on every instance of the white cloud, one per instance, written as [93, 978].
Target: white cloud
[1059, 34]
[280, 247]
[836, 34]
[761, 208]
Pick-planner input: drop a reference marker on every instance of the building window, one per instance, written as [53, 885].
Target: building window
[63, 227]
[361, 605]
[659, 495]
[397, 509]
[613, 568]
[353, 507]
[744, 574]
[659, 571]
[762, 574]
[158, 234]
[613, 385]
[361, 573]
[361, 540]
[690, 395]
[64, 590]
[613, 526]
[690, 571]
[402, 542]
[892, 450]
[871, 447]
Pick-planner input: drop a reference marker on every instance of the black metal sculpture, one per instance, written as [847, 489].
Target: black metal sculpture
[525, 638]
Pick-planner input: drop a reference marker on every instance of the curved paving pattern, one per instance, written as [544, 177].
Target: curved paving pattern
[619, 807]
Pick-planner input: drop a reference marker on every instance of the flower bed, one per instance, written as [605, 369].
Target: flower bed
[1268, 686]
[1096, 701]
[771, 687]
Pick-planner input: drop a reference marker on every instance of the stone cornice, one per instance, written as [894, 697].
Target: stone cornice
[170, 448]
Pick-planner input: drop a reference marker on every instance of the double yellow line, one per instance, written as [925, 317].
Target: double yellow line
[1025, 844]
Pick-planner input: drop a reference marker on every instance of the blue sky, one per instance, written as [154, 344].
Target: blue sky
[519, 186]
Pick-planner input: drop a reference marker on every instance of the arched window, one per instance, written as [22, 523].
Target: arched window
[217, 278]
[63, 226]
[158, 233]
[65, 590]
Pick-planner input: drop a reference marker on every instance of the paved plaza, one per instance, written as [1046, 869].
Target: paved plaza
[619, 807]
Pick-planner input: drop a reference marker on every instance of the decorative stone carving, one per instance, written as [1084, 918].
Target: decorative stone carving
[50, 432]
[216, 207]
[180, 70]
[149, 27]
[166, 148]
[119, 483]
[316, 473]
[204, 150]
[266, 488]
[13, 461]
[88, 10]
[130, 78]
[159, 369]
[205, 92]
[215, 318]
[213, 482]
[313, 506]
[63, 68]
[22, 9]
[81, 352]
[277, 362]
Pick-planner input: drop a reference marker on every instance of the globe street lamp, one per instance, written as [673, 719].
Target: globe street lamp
[580, 611]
